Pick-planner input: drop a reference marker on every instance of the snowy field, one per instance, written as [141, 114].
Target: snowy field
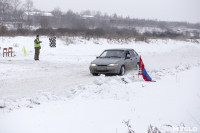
[58, 94]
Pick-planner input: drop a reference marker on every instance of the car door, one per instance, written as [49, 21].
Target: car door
[127, 62]
[134, 59]
[137, 57]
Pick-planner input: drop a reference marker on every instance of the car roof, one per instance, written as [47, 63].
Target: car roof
[124, 49]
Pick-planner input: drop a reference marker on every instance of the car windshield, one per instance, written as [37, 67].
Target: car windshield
[112, 54]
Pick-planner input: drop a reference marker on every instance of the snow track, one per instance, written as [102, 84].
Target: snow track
[65, 67]
[27, 78]
[58, 90]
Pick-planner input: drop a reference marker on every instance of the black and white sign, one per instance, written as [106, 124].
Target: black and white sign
[52, 41]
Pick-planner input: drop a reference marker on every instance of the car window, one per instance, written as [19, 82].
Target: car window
[112, 53]
[127, 52]
[132, 53]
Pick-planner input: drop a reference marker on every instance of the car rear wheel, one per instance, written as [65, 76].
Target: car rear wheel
[122, 71]
[136, 66]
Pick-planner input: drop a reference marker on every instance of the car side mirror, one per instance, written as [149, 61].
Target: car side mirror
[128, 56]
[97, 57]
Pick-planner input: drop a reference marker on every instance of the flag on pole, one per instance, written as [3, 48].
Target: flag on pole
[24, 50]
[143, 72]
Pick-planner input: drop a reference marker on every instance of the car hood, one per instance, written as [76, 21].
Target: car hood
[106, 61]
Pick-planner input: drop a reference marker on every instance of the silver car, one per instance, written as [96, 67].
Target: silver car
[114, 61]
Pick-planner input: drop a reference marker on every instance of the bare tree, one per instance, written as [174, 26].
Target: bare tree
[86, 12]
[28, 6]
[5, 8]
[57, 15]
[16, 11]
[16, 4]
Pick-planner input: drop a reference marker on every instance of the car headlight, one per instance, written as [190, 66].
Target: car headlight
[93, 65]
[111, 65]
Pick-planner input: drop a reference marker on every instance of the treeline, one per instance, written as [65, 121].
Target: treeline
[94, 33]
[15, 11]
[17, 18]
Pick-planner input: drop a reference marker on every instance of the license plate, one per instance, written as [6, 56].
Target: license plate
[101, 68]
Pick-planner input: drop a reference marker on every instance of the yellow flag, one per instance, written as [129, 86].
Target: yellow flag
[24, 50]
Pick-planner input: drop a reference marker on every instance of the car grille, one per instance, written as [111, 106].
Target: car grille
[102, 70]
[102, 65]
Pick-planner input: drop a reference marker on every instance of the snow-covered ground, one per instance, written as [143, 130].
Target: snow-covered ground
[58, 94]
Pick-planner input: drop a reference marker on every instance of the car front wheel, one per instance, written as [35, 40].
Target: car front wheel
[122, 71]
[95, 74]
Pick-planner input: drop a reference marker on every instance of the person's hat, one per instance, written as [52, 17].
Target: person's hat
[37, 36]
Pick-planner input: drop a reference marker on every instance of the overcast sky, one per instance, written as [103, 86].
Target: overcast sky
[170, 10]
